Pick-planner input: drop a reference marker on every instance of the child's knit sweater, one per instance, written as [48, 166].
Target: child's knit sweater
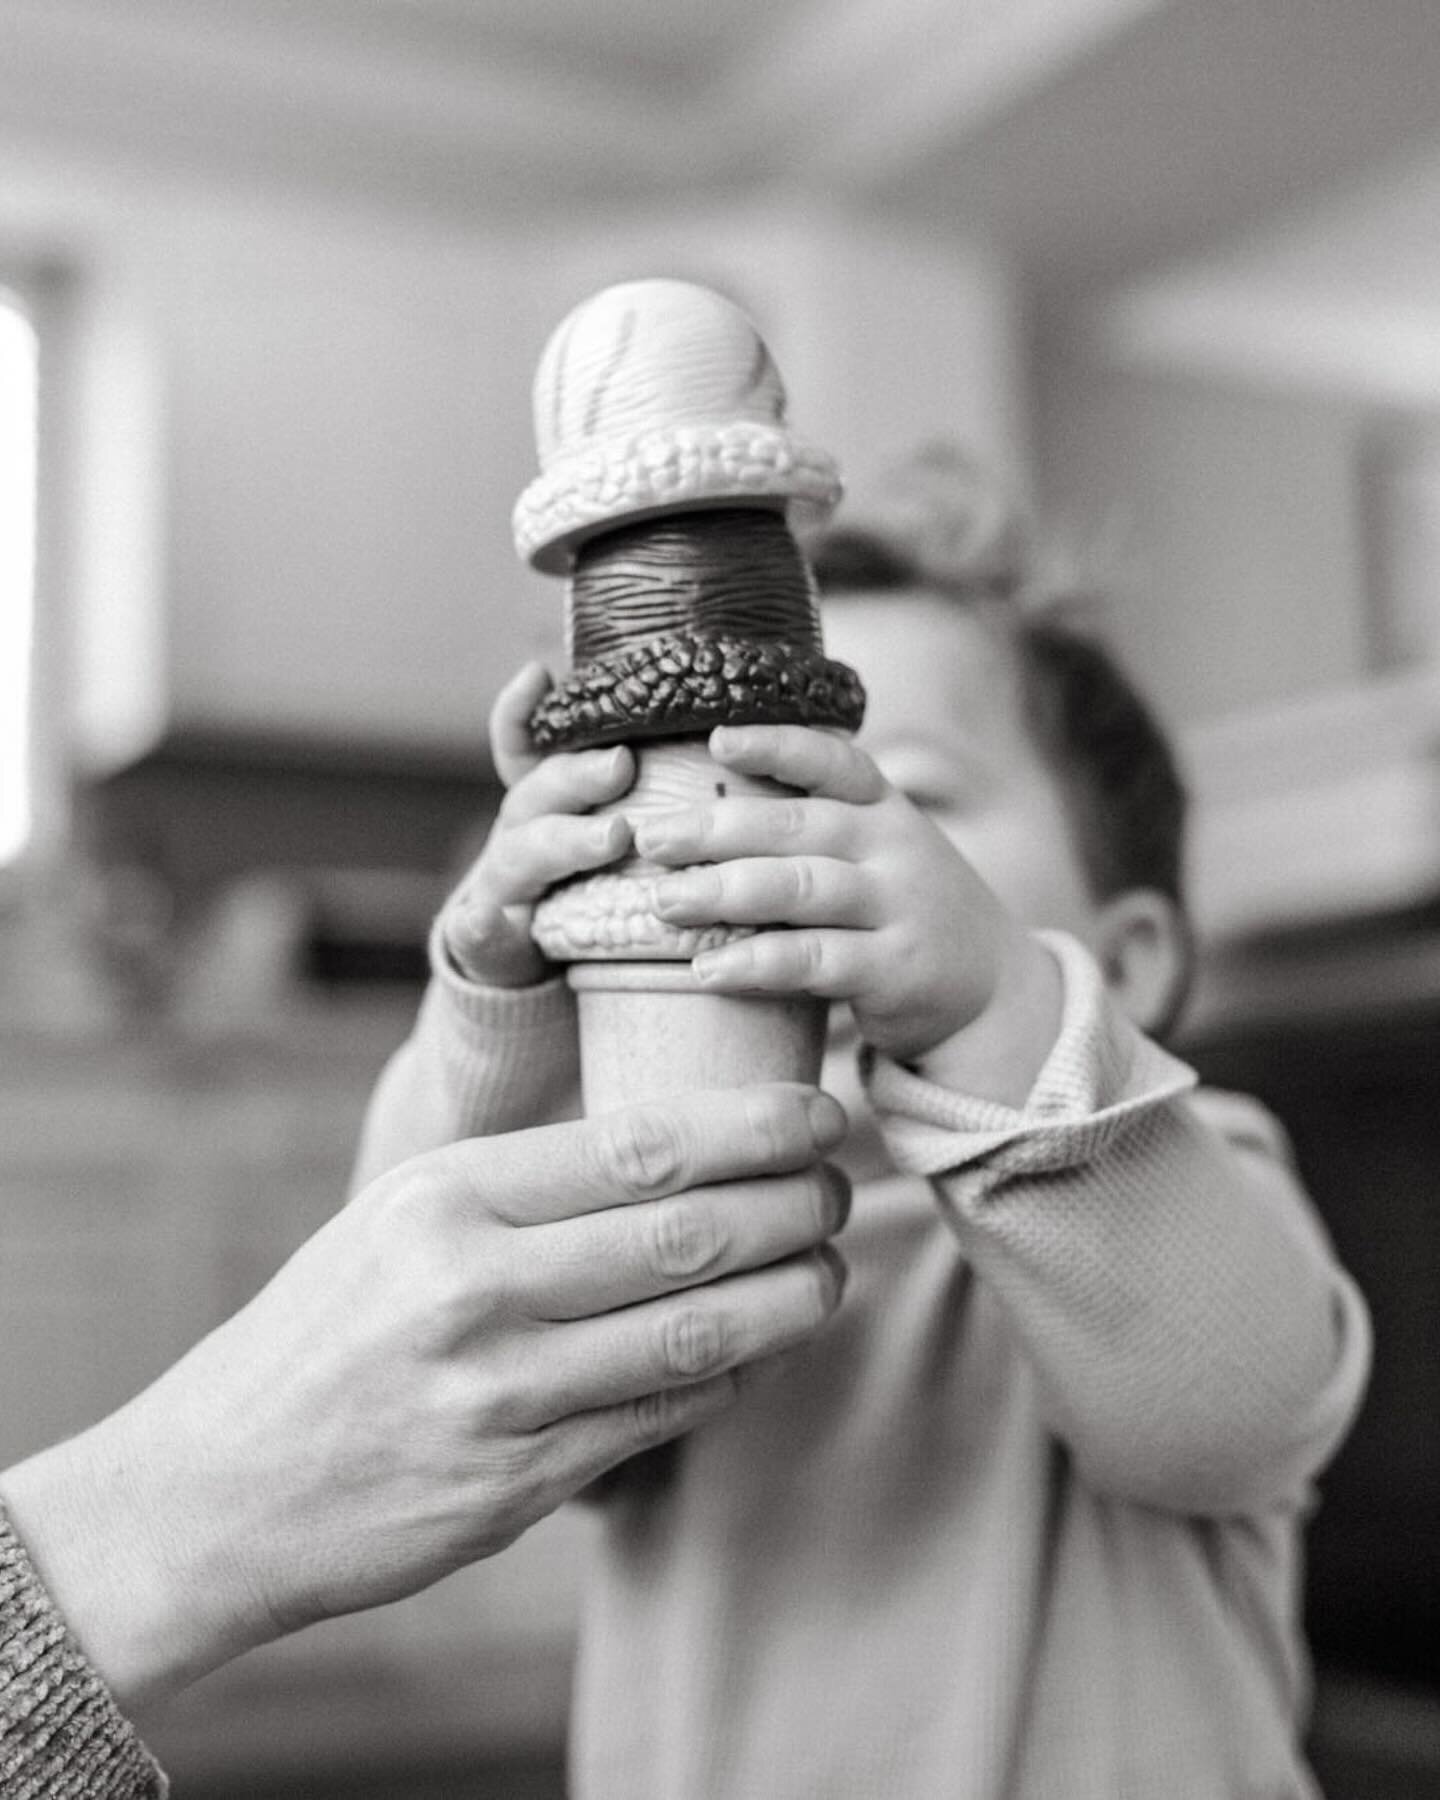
[1023, 1523]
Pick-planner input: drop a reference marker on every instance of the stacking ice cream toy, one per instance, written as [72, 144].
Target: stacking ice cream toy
[667, 477]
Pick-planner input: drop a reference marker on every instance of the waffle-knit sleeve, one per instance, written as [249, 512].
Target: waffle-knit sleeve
[1196, 1344]
[478, 1061]
[62, 1737]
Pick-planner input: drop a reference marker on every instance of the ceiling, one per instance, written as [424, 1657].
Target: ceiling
[1094, 138]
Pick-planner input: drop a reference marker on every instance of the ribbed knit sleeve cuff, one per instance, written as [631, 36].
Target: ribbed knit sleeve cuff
[62, 1737]
[496, 1038]
[1100, 1073]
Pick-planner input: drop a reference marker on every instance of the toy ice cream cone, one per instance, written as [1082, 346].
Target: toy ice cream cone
[667, 478]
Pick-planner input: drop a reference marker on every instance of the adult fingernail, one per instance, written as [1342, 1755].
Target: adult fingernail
[827, 1118]
[837, 1196]
[838, 1267]
[722, 740]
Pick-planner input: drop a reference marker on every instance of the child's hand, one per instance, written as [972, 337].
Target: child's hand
[884, 911]
[542, 833]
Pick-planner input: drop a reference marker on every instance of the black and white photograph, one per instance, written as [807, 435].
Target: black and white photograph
[719, 900]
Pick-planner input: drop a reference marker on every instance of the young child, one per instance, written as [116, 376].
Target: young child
[1024, 1522]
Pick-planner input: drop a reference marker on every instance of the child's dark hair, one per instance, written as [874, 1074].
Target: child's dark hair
[1123, 791]
[940, 527]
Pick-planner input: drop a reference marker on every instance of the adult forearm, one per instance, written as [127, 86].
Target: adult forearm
[128, 1548]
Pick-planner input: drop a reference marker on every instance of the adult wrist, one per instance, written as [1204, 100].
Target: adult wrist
[61, 1730]
[133, 1564]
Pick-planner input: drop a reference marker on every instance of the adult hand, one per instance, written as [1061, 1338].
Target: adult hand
[480, 1333]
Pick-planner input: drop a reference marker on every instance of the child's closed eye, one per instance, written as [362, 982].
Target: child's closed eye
[930, 799]
[938, 784]
[938, 791]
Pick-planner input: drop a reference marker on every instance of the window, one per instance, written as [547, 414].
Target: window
[18, 426]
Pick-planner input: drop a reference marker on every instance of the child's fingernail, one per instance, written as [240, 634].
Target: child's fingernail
[689, 887]
[706, 966]
[470, 919]
[722, 740]
[653, 836]
[467, 933]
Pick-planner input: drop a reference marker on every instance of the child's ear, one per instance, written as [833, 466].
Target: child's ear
[1144, 949]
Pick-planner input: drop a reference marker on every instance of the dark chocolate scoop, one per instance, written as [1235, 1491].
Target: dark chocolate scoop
[691, 620]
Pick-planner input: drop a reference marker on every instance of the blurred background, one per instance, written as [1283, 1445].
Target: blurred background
[274, 275]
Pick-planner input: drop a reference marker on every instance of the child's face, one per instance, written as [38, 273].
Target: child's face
[944, 721]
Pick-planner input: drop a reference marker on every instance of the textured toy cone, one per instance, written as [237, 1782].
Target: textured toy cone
[647, 1028]
[668, 476]
[648, 1031]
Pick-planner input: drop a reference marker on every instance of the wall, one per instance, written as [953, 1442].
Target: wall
[319, 388]
[1255, 424]
[885, 333]
[346, 412]
[337, 413]
[1244, 445]
[1226, 521]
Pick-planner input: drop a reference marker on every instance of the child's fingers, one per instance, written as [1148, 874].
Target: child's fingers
[792, 890]
[824, 763]
[488, 946]
[510, 744]
[832, 964]
[546, 850]
[744, 826]
[569, 782]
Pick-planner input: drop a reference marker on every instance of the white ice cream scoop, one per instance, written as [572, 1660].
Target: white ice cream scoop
[659, 396]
